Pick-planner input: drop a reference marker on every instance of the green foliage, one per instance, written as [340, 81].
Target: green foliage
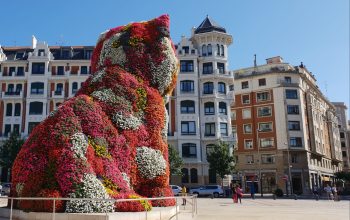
[9, 150]
[279, 192]
[175, 161]
[220, 160]
[343, 176]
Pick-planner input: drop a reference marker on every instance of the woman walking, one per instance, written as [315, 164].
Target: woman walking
[234, 193]
[239, 193]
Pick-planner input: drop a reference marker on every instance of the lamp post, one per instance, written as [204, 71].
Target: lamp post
[259, 160]
[289, 174]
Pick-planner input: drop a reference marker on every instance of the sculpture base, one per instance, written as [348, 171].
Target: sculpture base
[156, 213]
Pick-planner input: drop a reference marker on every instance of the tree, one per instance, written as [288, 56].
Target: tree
[175, 161]
[9, 151]
[343, 175]
[220, 160]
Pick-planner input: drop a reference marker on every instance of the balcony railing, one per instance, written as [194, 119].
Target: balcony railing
[12, 94]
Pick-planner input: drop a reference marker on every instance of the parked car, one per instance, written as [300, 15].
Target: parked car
[176, 189]
[210, 190]
[5, 188]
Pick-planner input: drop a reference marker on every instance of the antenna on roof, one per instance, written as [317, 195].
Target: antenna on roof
[326, 87]
[255, 60]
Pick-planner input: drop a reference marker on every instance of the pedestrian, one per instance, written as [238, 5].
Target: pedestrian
[239, 193]
[335, 193]
[0, 188]
[234, 193]
[252, 190]
[328, 190]
[183, 193]
[315, 192]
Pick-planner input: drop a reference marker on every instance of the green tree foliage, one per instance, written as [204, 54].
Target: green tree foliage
[9, 150]
[343, 176]
[220, 160]
[175, 161]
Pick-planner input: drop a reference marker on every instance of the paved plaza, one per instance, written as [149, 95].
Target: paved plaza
[269, 209]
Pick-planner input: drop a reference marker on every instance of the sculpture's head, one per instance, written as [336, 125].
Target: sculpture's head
[142, 48]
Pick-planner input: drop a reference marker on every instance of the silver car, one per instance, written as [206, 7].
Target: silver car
[176, 189]
[210, 190]
[5, 188]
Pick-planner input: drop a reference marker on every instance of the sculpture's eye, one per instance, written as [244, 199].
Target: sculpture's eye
[164, 32]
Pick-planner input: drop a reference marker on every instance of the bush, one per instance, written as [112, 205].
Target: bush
[279, 192]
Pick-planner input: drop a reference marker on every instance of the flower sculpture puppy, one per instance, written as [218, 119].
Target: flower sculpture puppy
[109, 141]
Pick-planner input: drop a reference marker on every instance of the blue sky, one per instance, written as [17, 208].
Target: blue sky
[313, 31]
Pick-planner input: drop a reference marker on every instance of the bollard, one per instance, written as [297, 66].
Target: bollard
[317, 197]
[274, 196]
[295, 197]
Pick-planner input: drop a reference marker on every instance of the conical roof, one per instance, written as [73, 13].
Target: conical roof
[209, 25]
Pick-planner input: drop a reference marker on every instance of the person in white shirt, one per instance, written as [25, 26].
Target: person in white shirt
[328, 190]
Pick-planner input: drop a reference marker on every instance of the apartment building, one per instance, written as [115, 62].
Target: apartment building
[287, 131]
[199, 108]
[344, 132]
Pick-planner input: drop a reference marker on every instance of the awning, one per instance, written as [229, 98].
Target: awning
[326, 178]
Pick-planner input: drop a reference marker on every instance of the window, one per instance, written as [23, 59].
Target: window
[342, 135]
[248, 144]
[36, 108]
[189, 150]
[343, 152]
[287, 79]
[233, 114]
[222, 50]
[245, 85]
[184, 175]
[218, 50]
[209, 50]
[41, 52]
[83, 70]
[210, 148]
[188, 128]
[231, 87]
[10, 88]
[294, 125]
[246, 113]
[194, 175]
[20, 71]
[186, 66]
[18, 89]
[209, 108]
[266, 142]
[212, 176]
[60, 70]
[16, 129]
[7, 130]
[9, 109]
[187, 107]
[37, 88]
[88, 54]
[268, 158]
[18, 109]
[222, 108]
[293, 109]
[186, 49]
[223, 129]
[209, 129]
[12, 70]
[204, 50]
[38, 68]
[265, 126]
[249, 159]
[207, 68]
[264, 111]
[291, 94]
[187, 86]
[31, 126]
[294, 158]
[247, 128]
[245, 99]
[295, 142]
[262, 82]
[263, 96]
[59, 89]
[74, 87]
[343, 144]
[208, 88]
[221, 67]
[222, 87]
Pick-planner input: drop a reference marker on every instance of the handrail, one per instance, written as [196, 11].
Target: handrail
[192, 201]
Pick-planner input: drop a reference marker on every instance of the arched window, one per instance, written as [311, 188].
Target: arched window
[187, 107]
[37, 88]
[194, 175]
[189, 150]
[222, 50]
[204, 50]
[18, 109]
[184, 172]
[74, 87]
[222, 87]
[208, 88]
[222, 108]
[218, 50]
[212, 176]
[36, 108]
[9, 109]
[209, 108]
[210, 50]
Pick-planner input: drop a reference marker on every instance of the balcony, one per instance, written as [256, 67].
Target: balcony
[287, 83]
[217, 74]
[57, 94]
[14, 75]
[12, 95]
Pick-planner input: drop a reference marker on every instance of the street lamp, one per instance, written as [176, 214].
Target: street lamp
[259, 160]
[290, 182]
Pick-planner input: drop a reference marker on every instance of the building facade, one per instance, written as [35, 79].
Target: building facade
[344, 132]
[199, 108]
[35, 80]
[287, 131]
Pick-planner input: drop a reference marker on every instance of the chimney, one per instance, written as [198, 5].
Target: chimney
[34, 42]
